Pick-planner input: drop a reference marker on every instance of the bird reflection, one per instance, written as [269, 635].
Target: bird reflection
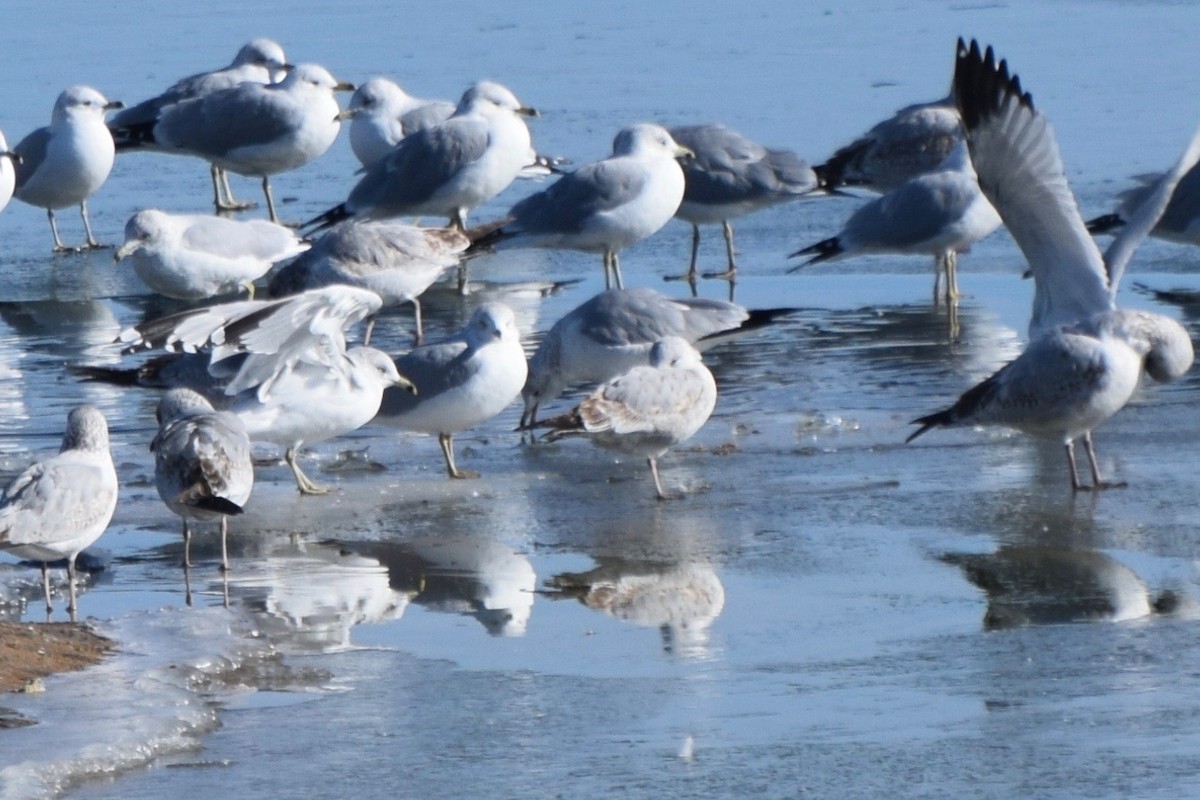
[1049, 585]
[682, 599]
[466, 575]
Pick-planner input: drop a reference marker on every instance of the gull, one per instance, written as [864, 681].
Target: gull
[730, 176]
[8, 173]
[614, 331]
[1086, 356]
[63, 163]
[941, 213]
[381, 113]
[252, 129]
[460, 382]
[648, 409]
[192, 257]
[284, 366]
[605, 206]
[1180, 222]
[447, 169]
[202, 465]
[393, 259]
[258, 61]
[59, 506]
[916, 139]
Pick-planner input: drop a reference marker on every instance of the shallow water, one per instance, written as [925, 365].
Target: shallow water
[808, 622]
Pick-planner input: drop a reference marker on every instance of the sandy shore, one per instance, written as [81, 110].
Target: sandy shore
[31, 651]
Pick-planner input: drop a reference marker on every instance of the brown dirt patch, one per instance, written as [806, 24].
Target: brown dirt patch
[29, 651]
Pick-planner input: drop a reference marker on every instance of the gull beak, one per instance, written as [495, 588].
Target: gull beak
[285, 66]
[113, 105]
[349, 113]
[526, 111]
[343, 86]
[14, 155]
[127, 249]
[405, 384]
[683, 152]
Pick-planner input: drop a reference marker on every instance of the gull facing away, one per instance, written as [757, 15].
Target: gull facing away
[65, 162]
[252, 129]
[1085, 357]
[647, 410]
[202, 465]
[614, 331]
[605, 206]
[448, 169]
[393, 259]
[915, 140]
[941, 213]
[8, 172]
[461, 382]
[58, 507]
[193, 257]
[381, 113]
[730, 176]
[258, 61]
[295, 382]
[1180, 222]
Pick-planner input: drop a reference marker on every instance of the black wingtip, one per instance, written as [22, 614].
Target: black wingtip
[823, 250]
[981, 85]
[326, 220]
[218, 505]
[1105, 223]
[927, 424]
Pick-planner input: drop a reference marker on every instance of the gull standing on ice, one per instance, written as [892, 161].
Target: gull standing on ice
[647, 410]
[1180, 222]
[447, 169]
[915, 140]
[57, 507]
[295, 382]
[64, 163]
[202, 465]
[605, 206]
[614, 331]
[393, 259]
[253, 129]
[1085, 357]
[381, 113]
[8, 172]
[258, 61]
[460, 382]
[192, 256]
[730, 176]
[941, 213]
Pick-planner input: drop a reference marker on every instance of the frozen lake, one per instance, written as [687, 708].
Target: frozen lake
[814, 623]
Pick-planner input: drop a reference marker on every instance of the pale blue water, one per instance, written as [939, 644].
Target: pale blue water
[832, 651]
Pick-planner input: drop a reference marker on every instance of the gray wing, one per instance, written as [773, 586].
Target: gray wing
[1183, 211]
[220, 122]
[643, 316]
[233, 239]
[32, 150]
[425, 116]
[644, 400]
[52, 497]
[433, 369]
[568, 204]
[729, 168]
[203, 456]
[911, 214]
[418, 166]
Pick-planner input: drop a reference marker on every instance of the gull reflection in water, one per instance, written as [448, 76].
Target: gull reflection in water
[1033, 585]
[681, 599]
[467, 575]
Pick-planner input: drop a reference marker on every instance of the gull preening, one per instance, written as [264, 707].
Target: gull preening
[59, 506]
[258, 61]
[64, 163]
[614, 331]
[647, 410]
[447, 169]
[381, 113]
[1085, 357]
[252, 129]
[605, 206]
[941, 213]
[393, 259]
[729, 176]
[460, 382]
[286, 371]
[202, 466]
[193, 256]
[914, 140]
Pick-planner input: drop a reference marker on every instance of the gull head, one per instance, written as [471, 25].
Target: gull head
[673, 351]
[81, 101]
[543, 379]
[492, 322]
[87, 429]
[143, 228]
[489, 97]
[264, 53]
[377, 94]
[648, 138]
[314, 76]
[1164, 344]
[376, 365]
[180, 403]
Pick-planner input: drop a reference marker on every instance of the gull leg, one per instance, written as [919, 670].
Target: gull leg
[266, 184]
[420, 325]
[71, 587]
[224, 544]
[730, 273]
[690, 276]
[303, 483]
[952, 294]
[446, 440]
[59, 247]
[46, 588]
[92, 244]
[616, 268]
[606, 259]
[223, 192]
[1097, 483]
[1076, 486]
[187, 585]
[218, 198]
[187, 544]
[658, 487]
[370, 329]
[938, 268]
[464, 286]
